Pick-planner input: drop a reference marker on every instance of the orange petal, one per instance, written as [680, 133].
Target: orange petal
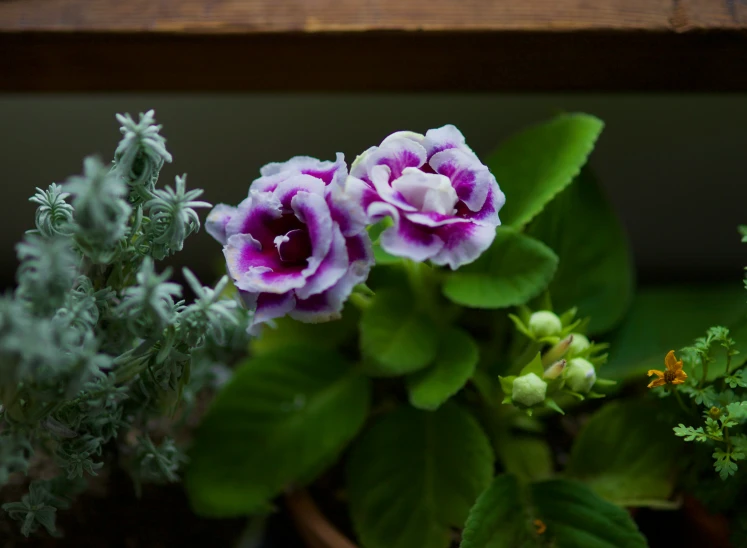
[671, 362]
[657, 382]
[678, 381]
[656, 372]
[680, 376]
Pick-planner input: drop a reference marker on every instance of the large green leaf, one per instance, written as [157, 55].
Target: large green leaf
[512, 271]
[578, 518]
[397, 334]
[529, 459]
[499, 519]
[667, 318]
[626, 456]
[414, 476]
[324, 335]
[536, 164]
[282, 416]
[457, 357]
[504, 517]
[595, 272]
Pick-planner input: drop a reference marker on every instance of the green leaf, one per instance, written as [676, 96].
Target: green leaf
[666, 318]
[282, 416]
[688, 433]
[595, 272]
[414, 476]
[626, 456]
[737, 411]
[724, 463]
[499, 519]
[321, 335]
[504, 517]
[536, 164]
[374, 231]
[577, 518]
[457, 357]
[515, 269]
[396, 334]
[534, 366]
[529, 459]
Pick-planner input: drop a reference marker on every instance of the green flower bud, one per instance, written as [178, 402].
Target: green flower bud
[545, 324]
[529, 390]
[580, 375]
[578, 344]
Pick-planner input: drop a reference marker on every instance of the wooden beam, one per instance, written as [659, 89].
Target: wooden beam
[373, 45]
[250, 16]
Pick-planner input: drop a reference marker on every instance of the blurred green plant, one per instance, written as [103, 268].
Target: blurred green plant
[94, 343]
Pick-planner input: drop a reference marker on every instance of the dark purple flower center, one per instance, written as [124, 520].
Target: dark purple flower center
[291, 239]
[295, 247]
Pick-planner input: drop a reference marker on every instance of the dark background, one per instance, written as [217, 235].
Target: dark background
[674, 165]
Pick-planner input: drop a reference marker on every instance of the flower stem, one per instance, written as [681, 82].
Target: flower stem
[704, 376]
[679, 399]
[423, 285]
[360, 301]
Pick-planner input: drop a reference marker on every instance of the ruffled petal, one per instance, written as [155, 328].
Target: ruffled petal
[410, 240]
[488, 213]
[469, 177]
[397, 154]
[322, 307]
[312, 211]
[255, 216]
[418, 138]
[656, 372]
[360, 192]
[380, 176]
[326, 171]
[217, 220]
[267, 184]
[359, 167]
[360, 250]
[445, 138]
[378, 210]
[294, 184]
[426, 192]
[270, 306]
[463, 243]
[258, 270]
[346, 210]
[328, 305]
[331, 269]
[435, 219]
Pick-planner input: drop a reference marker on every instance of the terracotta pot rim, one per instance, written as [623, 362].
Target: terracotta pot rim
[313, 526]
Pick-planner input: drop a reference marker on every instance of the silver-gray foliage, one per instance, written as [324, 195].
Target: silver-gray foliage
[94, 343]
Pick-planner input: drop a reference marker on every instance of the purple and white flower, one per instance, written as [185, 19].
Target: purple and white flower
[443, 200]
[296, 245]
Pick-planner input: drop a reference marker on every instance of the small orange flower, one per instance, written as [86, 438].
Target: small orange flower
[540, 525]
[673, 375]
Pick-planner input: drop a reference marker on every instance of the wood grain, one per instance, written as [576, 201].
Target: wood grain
[250, 16]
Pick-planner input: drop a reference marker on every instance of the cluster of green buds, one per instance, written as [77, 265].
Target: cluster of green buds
[562, 360]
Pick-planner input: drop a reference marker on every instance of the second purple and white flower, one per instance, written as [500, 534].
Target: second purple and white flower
[442, 199]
